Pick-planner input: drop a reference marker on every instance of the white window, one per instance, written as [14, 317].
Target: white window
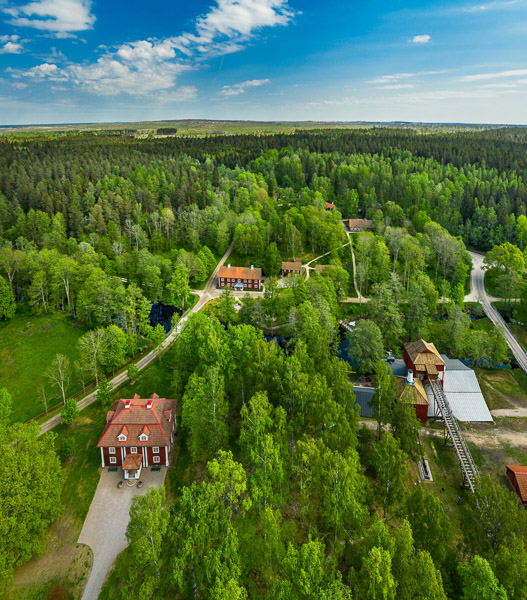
[155, 450]
[112, 450]
[113, 460]
[143, 437]
[133, 450]
[157, 459]
[121, 437]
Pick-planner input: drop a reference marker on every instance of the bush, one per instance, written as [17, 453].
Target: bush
[67, 449]
[133, 373]
[70, 411]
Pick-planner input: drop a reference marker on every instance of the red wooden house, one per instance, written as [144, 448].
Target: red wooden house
[291, 267]
[424, 360]
[138, 433]
[518, 477]
[240, 278]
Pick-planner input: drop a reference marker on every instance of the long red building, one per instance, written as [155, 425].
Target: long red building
[138, 433]
[240, 278]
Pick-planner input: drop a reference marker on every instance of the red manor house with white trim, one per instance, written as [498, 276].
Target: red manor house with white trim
[138, 433]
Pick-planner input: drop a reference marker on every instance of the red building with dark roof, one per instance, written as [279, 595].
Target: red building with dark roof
[138, 433]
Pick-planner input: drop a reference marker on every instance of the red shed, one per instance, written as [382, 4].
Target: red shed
[291, 267]
[411, 391]
[518, 477]
[424, 360]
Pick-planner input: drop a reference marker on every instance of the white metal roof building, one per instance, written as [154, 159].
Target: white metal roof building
[463, 393]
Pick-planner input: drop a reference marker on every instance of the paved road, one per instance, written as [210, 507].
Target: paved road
[105, 526]
[477, 283]
[204, 296]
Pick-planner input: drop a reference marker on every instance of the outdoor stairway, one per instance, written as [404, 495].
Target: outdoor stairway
[470, 471]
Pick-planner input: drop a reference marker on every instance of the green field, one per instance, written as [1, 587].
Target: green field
[28, 344]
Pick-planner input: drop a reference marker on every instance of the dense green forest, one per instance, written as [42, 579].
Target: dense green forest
[285, 495]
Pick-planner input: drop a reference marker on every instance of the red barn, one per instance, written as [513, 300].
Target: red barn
[138, 433]
[240, 278]
[423, 359]
[291, 267]
[329, 206]
[518, 477]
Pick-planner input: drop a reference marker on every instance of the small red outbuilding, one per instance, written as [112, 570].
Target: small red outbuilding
[518, 477]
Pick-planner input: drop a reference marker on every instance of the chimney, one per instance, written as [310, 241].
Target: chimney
[252, 267]
[410, 377]
[229, 266]
[150, 403]
[127, 403]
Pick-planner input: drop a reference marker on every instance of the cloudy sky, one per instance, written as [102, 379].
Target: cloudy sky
[113, 60]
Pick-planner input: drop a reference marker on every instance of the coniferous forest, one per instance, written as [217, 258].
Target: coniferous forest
[278, 489]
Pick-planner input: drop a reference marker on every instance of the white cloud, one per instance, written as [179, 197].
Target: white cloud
[11, 48]
[478, 8]
[396, 86]
[233, 18]
[420, 39]
[239, 88]
[44, 71]
[150, 67]
[383, 79]
[499, 75]
[61, 17]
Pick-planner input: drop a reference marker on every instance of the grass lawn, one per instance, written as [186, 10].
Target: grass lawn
[503, 388]
[64, 562]
[519, 332]
[491, 286]
[28, 344]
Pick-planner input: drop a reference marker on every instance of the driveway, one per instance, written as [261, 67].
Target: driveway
[105, 526]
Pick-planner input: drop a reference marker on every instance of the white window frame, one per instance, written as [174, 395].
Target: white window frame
[111, 450]
[133, 450]
[155, 449]
[113, 460]
[121, 437]
[157, 459]
[143, 437]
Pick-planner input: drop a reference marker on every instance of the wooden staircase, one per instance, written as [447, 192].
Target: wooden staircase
[470, 471]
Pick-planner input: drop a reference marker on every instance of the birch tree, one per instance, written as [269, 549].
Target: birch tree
[205, 413]
[59, 373]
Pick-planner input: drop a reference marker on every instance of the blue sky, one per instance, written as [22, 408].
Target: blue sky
[90, 61]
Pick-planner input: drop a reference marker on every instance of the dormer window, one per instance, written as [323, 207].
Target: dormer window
[143, 436]
[123, 434]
